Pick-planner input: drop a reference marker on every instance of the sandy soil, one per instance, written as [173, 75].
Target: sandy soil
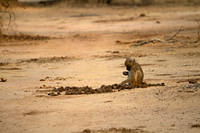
[87, 47]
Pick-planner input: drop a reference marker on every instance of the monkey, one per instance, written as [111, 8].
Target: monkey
[135, 73]
[5, 4]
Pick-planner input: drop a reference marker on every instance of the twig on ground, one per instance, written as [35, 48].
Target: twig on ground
[140, 42]
[172, 37]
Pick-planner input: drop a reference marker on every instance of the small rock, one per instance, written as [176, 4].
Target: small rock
[195, 126]
[3, 79]
[162, 84]
[192, 81]
[118, 42]
[42, 79]
[87, 131]
[158, 22]
[115, 52]
[53, 94]
[173, 125]
[142, 15]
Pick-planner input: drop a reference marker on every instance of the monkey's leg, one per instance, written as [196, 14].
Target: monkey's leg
[125, 81]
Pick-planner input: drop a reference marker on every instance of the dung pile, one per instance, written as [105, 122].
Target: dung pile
[115, 130]
[23, 37]
[87, 90]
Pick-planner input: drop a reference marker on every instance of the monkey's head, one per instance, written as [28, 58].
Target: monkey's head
[129, 62]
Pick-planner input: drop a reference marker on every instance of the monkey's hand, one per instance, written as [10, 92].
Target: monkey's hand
[126, 73]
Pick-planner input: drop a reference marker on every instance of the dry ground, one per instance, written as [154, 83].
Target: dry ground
[87, 47]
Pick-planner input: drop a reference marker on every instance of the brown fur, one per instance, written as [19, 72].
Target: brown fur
[136, 75]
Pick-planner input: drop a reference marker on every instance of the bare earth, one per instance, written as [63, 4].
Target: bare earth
[87, 47]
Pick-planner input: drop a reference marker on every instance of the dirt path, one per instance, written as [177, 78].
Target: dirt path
[84, 50]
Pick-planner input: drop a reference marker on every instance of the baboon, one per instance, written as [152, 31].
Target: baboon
[135, 73]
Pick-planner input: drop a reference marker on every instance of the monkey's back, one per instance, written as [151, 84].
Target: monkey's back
[137, 74]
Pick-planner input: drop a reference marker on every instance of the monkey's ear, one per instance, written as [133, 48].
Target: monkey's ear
[127, 60]
[133, 60]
